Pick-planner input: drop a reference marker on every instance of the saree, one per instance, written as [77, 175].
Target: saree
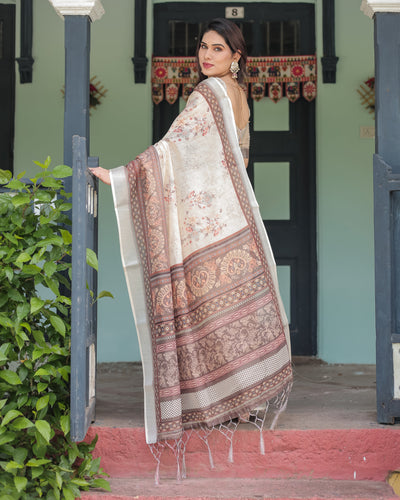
[202, 280]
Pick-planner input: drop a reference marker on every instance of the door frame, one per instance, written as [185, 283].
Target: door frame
[163, 114]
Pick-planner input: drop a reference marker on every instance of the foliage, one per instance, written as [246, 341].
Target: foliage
[37, 457]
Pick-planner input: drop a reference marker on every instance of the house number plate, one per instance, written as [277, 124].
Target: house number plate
[234, 12]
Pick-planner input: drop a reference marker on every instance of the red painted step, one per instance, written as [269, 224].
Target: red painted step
[235, 489]
[344, 454]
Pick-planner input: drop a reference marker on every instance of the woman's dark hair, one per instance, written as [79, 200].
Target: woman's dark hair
[232, 35]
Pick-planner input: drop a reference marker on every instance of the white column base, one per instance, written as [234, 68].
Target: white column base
[92, 8]
[370, 7]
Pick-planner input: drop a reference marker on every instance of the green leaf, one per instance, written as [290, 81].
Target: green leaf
[41, 387]
[21, 199]
[64, 207]
[91, 259]
[101, 483]
[66, 236]
[7, 437]
[22, 257]
[104, 293]
[36, 472]
[10, 415]
[31, 269]
[79, 482]
[2, 403]
[65, 424]
[22, 423]
[43, 196]
[15, 295]
[52, 240]
[23, 311]
[53, 285]
[68, 495]
[36, 305]
[39, 338]
[37, 353]
[61, 171]
[51, 183]
[15, 184]
[20, 455]
[41, 372]
[20, 483]
[11, 238]
[59, 480]
[5, 176]
[5, 321]
[58, 324]
[50, 268]
[47, 162]
[44, 429]
[12, 466]
[42, 402]
[10, 377]
[35, 462]
[9, 273]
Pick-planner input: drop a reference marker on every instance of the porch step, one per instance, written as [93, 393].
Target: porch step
[235, 489]
[340, 454]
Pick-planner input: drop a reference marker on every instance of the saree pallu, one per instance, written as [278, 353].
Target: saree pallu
[201, 276]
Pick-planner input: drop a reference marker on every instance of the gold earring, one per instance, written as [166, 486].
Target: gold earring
[234, 69]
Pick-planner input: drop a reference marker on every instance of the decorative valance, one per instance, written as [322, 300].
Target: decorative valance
[273, 77]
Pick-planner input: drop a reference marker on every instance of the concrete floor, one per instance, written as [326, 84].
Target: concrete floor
[323, 397]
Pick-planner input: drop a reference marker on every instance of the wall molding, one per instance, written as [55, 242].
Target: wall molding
[370, 7]
[91, 8]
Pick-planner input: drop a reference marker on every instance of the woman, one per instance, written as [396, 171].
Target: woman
[202, 279]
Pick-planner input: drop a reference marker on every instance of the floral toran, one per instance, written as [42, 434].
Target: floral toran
[273, 77]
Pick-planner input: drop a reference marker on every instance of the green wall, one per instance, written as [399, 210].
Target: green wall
[121, 129]
[346, 322]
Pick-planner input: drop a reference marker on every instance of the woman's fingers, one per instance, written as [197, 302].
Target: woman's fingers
[102, 173]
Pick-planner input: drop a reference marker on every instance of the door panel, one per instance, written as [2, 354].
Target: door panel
[282, 148]
[7, 85]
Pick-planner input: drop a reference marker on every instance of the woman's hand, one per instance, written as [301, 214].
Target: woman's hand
[102, 173]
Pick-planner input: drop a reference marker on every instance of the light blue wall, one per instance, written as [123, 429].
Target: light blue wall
[345, 197]
[121, 129]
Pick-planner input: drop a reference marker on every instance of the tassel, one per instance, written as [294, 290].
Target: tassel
[230, 456]
[262, 444]
[157, 475]
[210, 457]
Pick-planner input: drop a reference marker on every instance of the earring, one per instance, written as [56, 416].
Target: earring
[234, 69]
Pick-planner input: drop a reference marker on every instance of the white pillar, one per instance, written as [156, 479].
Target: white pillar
[91, 8]
[370, 7]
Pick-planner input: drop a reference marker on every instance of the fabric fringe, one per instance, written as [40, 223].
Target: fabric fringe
[257, 417]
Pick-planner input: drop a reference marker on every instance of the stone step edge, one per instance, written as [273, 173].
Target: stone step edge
[362, 454]
[235, 489]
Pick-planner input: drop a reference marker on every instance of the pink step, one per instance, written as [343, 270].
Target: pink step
[341, 454]
[235, 489]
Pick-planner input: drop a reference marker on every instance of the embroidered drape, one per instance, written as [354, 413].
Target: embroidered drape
[213, 333]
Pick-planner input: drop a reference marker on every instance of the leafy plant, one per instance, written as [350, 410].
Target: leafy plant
[37, 457]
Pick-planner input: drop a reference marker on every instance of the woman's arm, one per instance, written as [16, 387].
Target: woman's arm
[102, 173]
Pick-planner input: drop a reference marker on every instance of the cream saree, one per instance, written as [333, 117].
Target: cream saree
[201, 276]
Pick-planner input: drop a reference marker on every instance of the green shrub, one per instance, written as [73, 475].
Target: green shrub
[37, 457]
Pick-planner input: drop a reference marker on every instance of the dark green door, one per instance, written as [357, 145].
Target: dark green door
[7, 85]
[282, 152]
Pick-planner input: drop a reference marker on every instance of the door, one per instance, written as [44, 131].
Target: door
[7, 85]
[282, 148]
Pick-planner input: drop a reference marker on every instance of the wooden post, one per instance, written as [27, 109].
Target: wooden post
[387, 205]
[78, 16]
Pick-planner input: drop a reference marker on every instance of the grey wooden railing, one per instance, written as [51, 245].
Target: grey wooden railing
[84, 291]
[387, 289]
